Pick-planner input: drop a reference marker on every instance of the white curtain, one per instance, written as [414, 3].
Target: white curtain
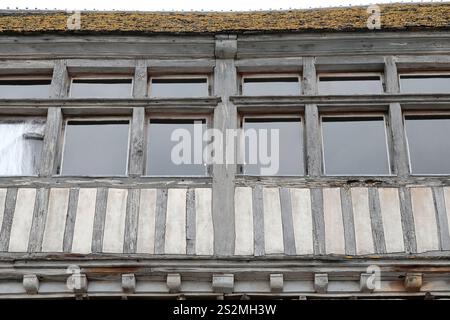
[20, 147]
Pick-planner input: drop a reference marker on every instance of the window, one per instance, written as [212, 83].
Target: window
[265, 156]
[101, 88]
[179, 87]
[20, 146]
[350, 84]
[175, 147]
[428, 143]
[355, 145]
[25, 88]
[421, 83]
[95, 147]
[271, 86]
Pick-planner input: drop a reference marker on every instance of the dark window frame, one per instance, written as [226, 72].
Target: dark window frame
[182, 78]
[111, 78]
[351, 76]
[260, 77]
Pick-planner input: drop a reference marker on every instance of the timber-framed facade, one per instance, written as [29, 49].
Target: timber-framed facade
[225, 235]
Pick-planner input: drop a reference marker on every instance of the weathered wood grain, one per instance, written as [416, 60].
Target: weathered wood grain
[258, 221]
[3, 193]
[363, 227]
[397, 132]
[204, 242]
[424, 219]
[225, 117]
[348, 221]
[99, 219]
[136, 166]
[56, 220]
[243, 202]
[146, 225]
[287, 221]
[273, 225]
[175, 237]
[39, 217]
[379, 241]
[131, 221]
[409, 235]
[114, 226]
[191, 223]
[312, 148]
[302, 221]
[52, 135]
[23, 210]
[83, 229]
[71, 218]
[334, 228]
[392, 221]
[160, 220]
[441, 218]
[318, 219]
[447, 206]
[8, 209]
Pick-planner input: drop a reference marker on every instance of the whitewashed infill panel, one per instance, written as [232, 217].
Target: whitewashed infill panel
[22, 220]
[334, 225]
[2, 205]
[273, 227]
[302, 219]
[424, 219]
[243, 212]
[204, 242]
[146, 224]
[392, 220]
[175, 238]
[56, 220]
[447, 205]
[84, 221]
[116, 212]
[361, 217]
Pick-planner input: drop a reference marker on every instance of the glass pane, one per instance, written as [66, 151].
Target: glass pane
[95, 148]
[16, 89]
[425, 84]
[429, 144]
[355, 146]
[350, 85]
[289, 158]
[271, 86]
[179, 88]
[21, 146]
[101, 88]
[161, 146]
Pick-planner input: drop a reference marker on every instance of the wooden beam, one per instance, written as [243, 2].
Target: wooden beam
[225, 117]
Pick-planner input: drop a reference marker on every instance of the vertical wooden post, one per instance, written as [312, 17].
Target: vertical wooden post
[225, 117]
[137, 144]
[312, 124]
[59, 89]
[399, 149]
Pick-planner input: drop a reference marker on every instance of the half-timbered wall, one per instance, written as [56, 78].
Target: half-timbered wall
[227, 215]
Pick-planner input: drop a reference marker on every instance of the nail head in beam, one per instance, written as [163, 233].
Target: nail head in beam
[276, 282]
[128, 283]
[174, 282]
[31, 283]
[223, 283]
[321, 282]
[413, 282]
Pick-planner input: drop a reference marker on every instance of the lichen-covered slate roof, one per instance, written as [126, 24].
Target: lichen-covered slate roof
[412, 16]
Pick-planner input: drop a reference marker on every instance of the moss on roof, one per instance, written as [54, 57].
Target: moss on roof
[413, 16]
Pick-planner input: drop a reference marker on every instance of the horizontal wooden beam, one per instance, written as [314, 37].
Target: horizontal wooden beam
[98, 182]
[243, 102]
